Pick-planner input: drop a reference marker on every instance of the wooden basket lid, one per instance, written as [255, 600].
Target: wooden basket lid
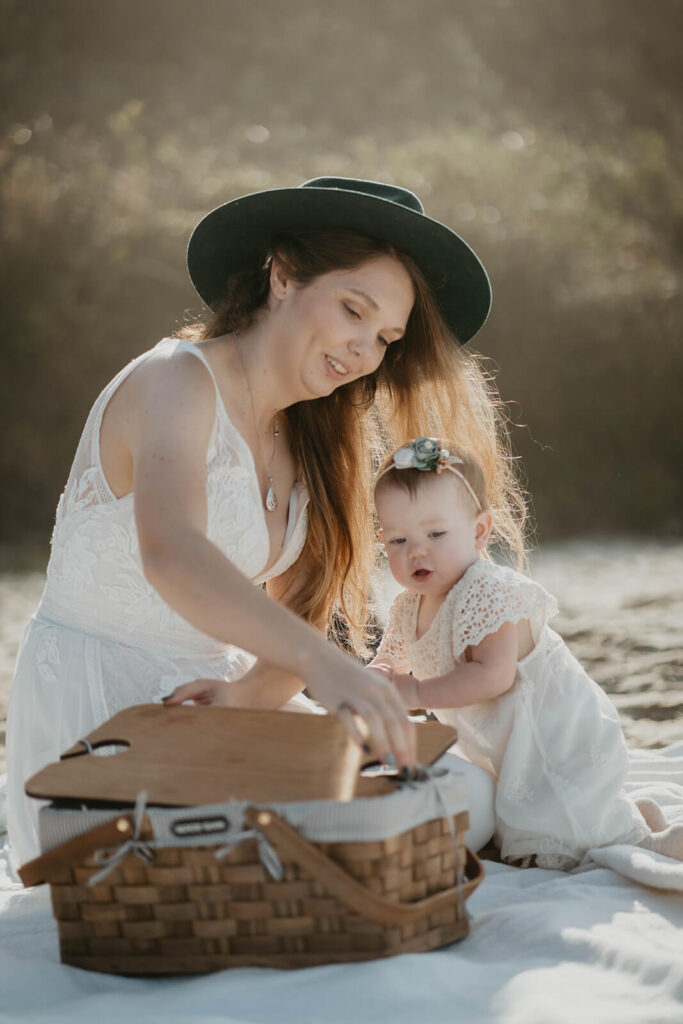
[188, 755]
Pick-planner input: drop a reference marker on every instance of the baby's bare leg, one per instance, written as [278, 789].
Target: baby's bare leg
[653, 814]
[669, 842]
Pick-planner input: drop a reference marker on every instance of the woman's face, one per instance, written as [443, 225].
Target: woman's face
[338, 328]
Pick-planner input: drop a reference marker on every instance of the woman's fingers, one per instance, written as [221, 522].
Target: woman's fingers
[379, 709]
[202, 691]
[397, 727]
[347, 716]
[377, 736]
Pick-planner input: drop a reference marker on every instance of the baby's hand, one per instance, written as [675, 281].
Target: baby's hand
[407, 688]
[386, 670]
[404, 683]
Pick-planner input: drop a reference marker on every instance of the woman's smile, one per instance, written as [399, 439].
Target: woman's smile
[336, 369]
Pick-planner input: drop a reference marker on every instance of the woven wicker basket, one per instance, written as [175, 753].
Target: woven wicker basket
[188, 912]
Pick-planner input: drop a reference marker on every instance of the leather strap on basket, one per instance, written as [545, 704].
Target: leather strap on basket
[291, 845]
[53, 863]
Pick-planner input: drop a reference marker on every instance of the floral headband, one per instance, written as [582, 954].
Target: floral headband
[426, 454]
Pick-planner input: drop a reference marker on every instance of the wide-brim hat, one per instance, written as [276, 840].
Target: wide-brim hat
[237, 235]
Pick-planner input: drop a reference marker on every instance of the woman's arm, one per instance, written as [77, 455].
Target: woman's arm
[490, 671]
[170, 414]
[264, 685]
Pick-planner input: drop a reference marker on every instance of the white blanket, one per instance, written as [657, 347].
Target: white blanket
[603, 945]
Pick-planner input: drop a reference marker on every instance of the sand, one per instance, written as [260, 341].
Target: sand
[621, 613]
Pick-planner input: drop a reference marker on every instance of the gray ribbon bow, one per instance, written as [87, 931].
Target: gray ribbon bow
[112, 857]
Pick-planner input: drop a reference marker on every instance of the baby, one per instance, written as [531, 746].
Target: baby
[475, 637]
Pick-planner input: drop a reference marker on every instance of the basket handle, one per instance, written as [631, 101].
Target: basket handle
[63, 857]
[289, 843]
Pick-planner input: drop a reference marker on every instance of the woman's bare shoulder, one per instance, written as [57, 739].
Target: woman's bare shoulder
[173, 374]
[173, 366]
[172, 392]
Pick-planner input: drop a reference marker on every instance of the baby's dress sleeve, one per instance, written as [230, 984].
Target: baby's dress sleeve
[393, 643]
[489, 595]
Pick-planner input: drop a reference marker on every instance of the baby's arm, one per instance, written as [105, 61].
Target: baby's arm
[489, 671]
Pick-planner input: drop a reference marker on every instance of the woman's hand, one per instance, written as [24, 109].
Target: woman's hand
[371, 709]
[263, 686]
[203, 691]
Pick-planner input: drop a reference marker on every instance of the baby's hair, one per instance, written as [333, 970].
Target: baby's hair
[412, 479]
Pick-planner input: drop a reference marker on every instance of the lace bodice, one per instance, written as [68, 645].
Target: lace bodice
[95, 581]
[484, 598]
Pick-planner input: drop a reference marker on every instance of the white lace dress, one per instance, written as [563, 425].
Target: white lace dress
[553, 741]
[102, 639]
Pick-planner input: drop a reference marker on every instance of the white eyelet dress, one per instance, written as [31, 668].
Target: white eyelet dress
[553, 741]
[102, 639]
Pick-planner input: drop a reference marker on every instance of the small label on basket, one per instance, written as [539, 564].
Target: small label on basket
[200, 826]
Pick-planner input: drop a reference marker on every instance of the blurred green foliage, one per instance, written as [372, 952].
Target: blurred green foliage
[548, 132]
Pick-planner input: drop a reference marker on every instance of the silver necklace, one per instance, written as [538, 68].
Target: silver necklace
[271, 502]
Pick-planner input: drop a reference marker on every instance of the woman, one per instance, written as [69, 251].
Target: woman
[244, 458]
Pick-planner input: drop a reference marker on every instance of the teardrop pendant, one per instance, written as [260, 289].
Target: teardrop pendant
[271, 500]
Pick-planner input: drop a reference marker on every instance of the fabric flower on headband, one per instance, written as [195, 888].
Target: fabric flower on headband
[424, 453]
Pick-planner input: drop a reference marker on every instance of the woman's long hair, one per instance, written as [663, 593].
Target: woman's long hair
[427, 384]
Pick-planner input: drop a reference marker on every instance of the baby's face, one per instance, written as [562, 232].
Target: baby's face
[431, 537]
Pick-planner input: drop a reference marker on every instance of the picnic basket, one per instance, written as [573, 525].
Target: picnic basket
[294, 883]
